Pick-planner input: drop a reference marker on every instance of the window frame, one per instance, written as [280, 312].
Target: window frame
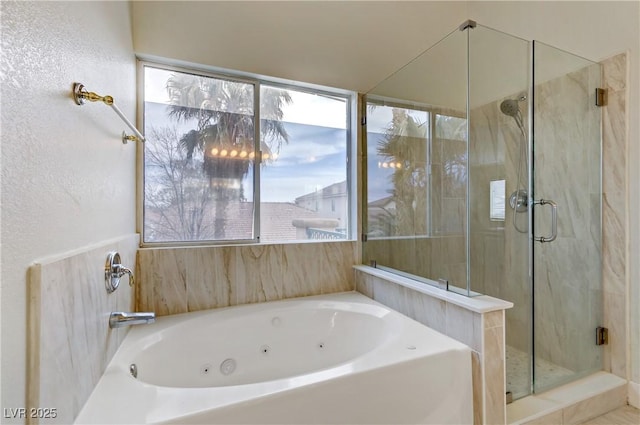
[351, 172]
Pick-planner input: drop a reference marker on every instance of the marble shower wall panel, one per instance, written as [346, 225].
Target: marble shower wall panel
[614, 127]
[70, 343]
[516, 287]
[429, 257]
[568, 274]
[402, 253]
[448, 259]
[179, 280]
[448, 187]
[499, 253]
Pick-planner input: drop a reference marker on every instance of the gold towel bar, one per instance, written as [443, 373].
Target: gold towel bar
[80, 95]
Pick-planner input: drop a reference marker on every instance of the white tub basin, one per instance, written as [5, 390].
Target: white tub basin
[339, 358]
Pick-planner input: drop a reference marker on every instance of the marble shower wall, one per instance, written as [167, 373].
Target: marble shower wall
[614, 231]
[499, 252]
[179, 280]
[568, 274]
[499, 256]
[70, 342]
[499, 259]
[430, 257]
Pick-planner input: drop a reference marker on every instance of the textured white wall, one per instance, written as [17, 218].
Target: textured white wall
[594, 30]
[67, 180]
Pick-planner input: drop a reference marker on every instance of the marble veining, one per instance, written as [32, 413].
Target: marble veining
[210, 272]
[594, 406]
[179, 280]
[575, 293]
[625, 415]
[565, 312]
[614, 274]
[69, 338]
[494, 374]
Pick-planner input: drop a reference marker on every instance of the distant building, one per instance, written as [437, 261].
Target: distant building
[329, 202]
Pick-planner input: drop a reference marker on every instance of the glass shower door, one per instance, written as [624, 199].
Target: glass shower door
[566, 217]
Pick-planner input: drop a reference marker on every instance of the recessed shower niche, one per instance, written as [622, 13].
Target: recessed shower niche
[483, 176]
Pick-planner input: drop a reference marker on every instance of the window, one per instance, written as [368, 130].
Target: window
[236, 159]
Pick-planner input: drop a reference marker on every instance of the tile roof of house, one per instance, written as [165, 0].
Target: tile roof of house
[275, 225]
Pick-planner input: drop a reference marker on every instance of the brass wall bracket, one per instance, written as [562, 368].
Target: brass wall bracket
[81, 95]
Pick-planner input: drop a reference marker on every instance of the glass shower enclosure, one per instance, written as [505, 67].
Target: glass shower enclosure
[483, 176]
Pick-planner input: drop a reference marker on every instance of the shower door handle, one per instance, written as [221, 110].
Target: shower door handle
[554, 221]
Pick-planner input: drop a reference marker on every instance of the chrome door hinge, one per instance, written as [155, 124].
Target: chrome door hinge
[601, 97]
[363, 121]
[602, 336]
[364, 237]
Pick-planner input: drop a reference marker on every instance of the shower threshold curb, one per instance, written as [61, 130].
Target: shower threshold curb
[572, 403]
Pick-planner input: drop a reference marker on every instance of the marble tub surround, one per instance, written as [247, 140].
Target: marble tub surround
[69, 340]
[477, 322]
[179, 280]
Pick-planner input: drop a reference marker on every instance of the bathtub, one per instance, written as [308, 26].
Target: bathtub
[330, 359]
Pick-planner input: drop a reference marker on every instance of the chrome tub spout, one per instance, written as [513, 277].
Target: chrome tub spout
[119, 319]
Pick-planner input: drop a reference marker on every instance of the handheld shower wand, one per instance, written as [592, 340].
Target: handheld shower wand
[518, 199]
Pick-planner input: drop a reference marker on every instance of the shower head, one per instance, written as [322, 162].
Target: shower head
[510, 107]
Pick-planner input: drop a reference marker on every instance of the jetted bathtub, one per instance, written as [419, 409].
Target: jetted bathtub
[330, 359]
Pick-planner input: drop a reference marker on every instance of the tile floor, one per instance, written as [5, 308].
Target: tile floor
[625, 415]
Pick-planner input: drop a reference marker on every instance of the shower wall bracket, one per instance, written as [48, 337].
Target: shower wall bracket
[601, 97]
[81, 95]
[469, 23]
[602, 336]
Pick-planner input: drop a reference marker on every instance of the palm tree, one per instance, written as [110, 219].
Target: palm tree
[405, 146]
[224, 112]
